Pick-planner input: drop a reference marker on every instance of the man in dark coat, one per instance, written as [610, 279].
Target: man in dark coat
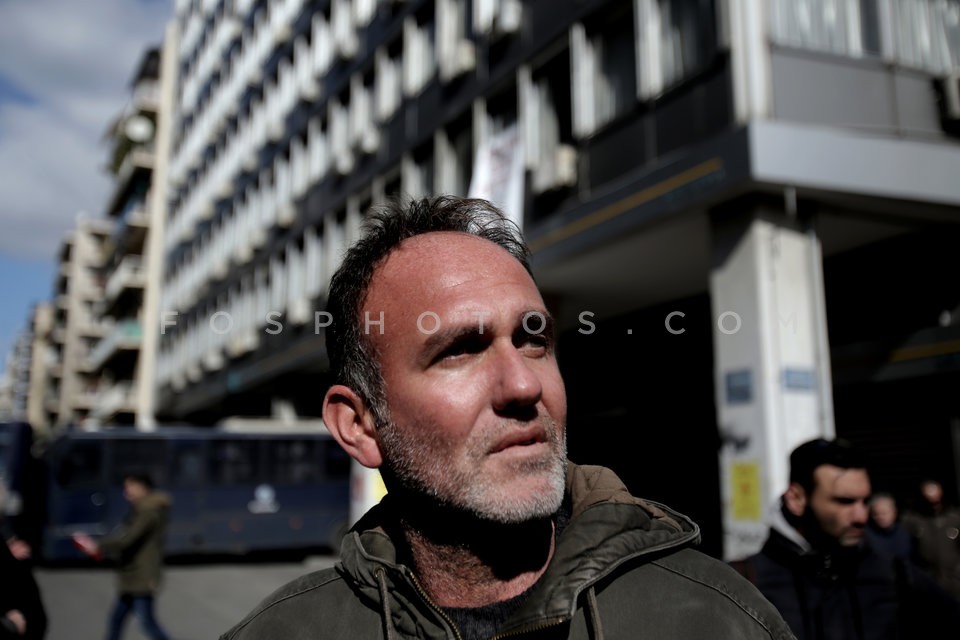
[817, 570]
[935, 527]
[138, 549]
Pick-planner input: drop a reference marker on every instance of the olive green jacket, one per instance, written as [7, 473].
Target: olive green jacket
[622, 568]
[137, 546]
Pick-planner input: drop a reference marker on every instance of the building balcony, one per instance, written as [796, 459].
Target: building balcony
[92, 328]
[116, 399]
[129, 278]
[84, 400]
[124, 340]
[129, 230]
[137, 162]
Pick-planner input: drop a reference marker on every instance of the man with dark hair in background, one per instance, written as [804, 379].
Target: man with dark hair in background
[935, 527]
[816, 568]
[138, 547]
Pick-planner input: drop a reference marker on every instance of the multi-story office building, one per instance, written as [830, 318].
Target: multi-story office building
[77, 329]
[122, 363]
[741, 211]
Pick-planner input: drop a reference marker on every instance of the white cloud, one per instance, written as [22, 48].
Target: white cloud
[73, 60]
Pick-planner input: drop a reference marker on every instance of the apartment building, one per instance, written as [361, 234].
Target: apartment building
[72, 382]
[41, 329]
[724, 199]
[122, 364]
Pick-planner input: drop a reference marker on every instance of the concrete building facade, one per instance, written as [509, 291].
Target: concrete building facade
[124, 358]
[77, 329]
[748, 205]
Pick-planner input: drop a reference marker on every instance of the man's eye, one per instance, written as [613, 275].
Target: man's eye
[535, 340]
[463, 347]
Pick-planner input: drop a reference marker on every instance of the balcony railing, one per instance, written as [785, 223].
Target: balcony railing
[119, 398]
[126, 335]
[129, 274]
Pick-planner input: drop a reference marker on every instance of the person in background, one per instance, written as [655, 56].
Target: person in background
[445, 377]
[815, 568]
[137, 547]
[935, 527]
[22, 612]
[884, 529]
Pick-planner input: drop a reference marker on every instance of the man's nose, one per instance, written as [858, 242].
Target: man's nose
[517, 382]
[861, 513]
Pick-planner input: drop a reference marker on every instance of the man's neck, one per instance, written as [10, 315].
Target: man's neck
[463, 562]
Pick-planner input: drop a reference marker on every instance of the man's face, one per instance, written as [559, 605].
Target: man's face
[932, 491]
[133, 490]
[839, 503]
[476, 402]
[884, 512]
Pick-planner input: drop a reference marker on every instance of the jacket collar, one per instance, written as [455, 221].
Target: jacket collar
[607, 527]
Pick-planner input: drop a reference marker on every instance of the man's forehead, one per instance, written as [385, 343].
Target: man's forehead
[441, 258]
[832, 477]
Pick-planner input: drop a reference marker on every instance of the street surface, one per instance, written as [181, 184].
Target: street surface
[197, 602]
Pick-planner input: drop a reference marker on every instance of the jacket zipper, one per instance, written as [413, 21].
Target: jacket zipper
[546, 624]
[432, 604]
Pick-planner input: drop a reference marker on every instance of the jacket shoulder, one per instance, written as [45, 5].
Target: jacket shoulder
[718, 582]
[292, 608]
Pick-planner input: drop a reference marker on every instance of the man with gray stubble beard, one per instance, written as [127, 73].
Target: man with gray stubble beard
[445, 378]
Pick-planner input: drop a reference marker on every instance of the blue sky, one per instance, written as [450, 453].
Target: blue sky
[65, 67]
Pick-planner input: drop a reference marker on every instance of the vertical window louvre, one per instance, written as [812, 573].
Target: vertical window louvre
[387, 89]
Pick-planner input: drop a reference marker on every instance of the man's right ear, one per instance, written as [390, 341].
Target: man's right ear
[351, 423]
[795, 499]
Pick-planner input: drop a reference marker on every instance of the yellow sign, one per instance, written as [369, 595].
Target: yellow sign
[745, 490]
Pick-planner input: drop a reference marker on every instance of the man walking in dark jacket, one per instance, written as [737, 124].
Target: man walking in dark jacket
[138, 548]
[818, 571]
[445, 378]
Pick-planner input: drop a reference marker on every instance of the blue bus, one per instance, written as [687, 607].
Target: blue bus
[233, 492]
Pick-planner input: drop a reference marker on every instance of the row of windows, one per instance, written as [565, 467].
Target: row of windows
[193, 463]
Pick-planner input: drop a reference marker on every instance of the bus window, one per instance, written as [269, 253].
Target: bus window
[293, 461]
[186, 464]
[142, 455]
[80, 465]
[233, 461]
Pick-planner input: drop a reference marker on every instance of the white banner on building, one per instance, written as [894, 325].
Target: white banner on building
[498, 173]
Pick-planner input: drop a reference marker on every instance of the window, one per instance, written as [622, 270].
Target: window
[418, 172]
[419, 58]
[927, 33]
[456, 53]
[233, 461]
[832, 26]
[388, 90]
[604, 70]
[186, 463]
[548, 127]
[924, 34]
[81, 465]
[677, 37]
[455, 157]
[140, 455]
[293, 461]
